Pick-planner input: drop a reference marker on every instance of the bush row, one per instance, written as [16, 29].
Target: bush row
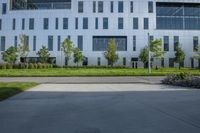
[25, 66]
[182, 79]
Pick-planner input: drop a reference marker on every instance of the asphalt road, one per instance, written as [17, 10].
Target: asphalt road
[102, 108]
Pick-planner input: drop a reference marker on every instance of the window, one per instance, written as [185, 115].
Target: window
[120, 23]
[135, 23]
[166, 43]
[65, 23]
[150, 6]
[4, 8]
[105, 23]
[23, 24]
[76, 23]
[120, 6]
[146, 23]
[94, 6]
[0, 24]
[85, 61]
[46, 24]
[124, 61]
[56, 23]
[111, 6]
[195, 43]
[14, 24]
[3, 43]
[59, 39]
[15, 42]
[85, 23]
[96, 23]
[80, 7]
[50, 43]
[131, 6]
[34, 43]
[100, 43]
[80, 42]
[31, 24]
[176, 42]
[100, 6]
[27, 41]
[99, 61]
[171, 62]
[134, 43]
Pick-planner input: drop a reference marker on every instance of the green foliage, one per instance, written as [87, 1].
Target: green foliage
[197, 54]
[78, 56]
[23, 48]
[10, 55]
[144, 55]
[67, 47]
[156, 48]
[110, 54]
[43, 54]
[179, 55]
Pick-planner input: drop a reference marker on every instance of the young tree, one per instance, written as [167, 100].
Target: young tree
[144, 56]
[78, 56]
[10, 55]
[110, 54]
[197, 54]
[179, 56]
[43, 54]
[67, 46]
[23, 48]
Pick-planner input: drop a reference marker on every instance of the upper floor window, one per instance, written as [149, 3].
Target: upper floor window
[135, 23]
[50, 43]
[3, 43]
[131, 6]
[146, 23]
[14, 24]
[111, 6]
[80, 6]
[134, 43]
[120, 23]
[96, 23]
[58, 43]
[34, 43]
[23, 23]
[105, 23]
[166, 43]
[176, 42]
[15, 41]
[31, 23]
[100, 6]
[76, 23]
[46, 23]
[65, 23]
[120, 6]
[195, 43]
[80, 42]
[94, 6]
[4, 8]
[56, 23]
[0, 24]
[85, 23]
[150, 6]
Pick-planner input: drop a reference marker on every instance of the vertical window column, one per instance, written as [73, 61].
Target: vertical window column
[4, 8]
[34, 43]
[23, 23]
[50, 43]
[100, 6]
[76, 23]
[3, 43]
[31, 24]
[59, 42]
[56, 23]
[105, 23]
[146, 23]
[80, 6]
[96, 23]
[120, 6]
[94, 6]
[65, 23]
[195, 43]
[166, 43]
[14, 24]
[134, 43]
[15, 42]
[120, 23]
[150, 6]
[46, 23]
[135, 23]
[0, 24]
[80, 42]
[131, 6]
[176, 42]
[85, 23]
[111, 6]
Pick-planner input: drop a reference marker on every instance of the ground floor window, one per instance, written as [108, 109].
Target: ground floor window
[85, 61]
[171, 62]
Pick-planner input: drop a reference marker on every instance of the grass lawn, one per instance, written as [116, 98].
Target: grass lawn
[9, 89]
[70, 72]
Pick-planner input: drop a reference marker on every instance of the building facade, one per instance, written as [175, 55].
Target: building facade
[91, 23]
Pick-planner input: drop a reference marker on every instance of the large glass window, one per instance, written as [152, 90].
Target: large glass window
[100, 6]
[85, 23]
[166, 43]
[120, 6]
[80, 6]
[46, 24]
[100, 43]
[3, 43]
[31, 24]
[4, 8]
[178, 15]
[65, 23]
[105, 23]
[120, 23]
[50, 43]
[135, 23]
[150, 6]
[195, 43]
[80, 42]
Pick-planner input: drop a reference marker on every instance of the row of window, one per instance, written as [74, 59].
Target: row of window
[100, 43]
[98, 6]
[85, 22]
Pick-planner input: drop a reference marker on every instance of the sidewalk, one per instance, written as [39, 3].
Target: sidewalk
[85, 80]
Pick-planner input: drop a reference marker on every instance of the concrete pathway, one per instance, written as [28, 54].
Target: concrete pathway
[84, 80]
[102, 108]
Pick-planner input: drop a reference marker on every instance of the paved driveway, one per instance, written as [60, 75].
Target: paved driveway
[102, 108]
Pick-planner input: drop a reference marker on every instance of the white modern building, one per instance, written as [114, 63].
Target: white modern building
[90, 24]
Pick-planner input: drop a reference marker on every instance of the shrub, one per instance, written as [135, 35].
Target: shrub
[39, 66]
[3, 66]
[35, 65]
[31, 66]
[9, 66]
[22, 66]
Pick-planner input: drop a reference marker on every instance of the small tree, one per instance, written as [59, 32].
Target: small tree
[110, 54]
[78, 56]
[23, 48]
[144, 56]
[67, 46]
[10, 55]
[43, 54]
[179, 56]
